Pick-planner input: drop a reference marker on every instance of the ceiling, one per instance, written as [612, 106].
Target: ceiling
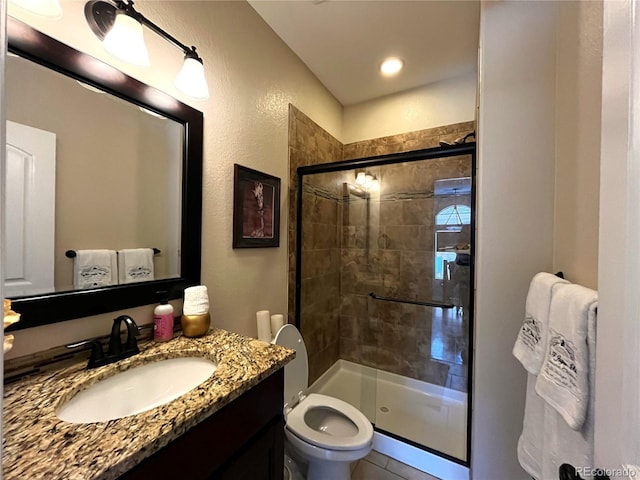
[344, 42]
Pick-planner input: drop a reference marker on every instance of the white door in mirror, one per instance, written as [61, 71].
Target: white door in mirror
[30, 212]
[136, 390]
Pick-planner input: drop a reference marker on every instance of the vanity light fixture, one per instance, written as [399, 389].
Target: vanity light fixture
[125, 39]
[391, 66]
[45, 8]
[119, 25]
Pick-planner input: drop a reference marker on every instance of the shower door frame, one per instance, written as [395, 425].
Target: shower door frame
[389, 159]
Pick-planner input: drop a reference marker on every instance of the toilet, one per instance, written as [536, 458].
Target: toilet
[323, 434]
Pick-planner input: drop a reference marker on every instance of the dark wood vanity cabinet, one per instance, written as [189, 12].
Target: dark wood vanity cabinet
[242, 441]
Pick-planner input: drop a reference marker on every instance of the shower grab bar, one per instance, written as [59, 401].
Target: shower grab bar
[412, 302]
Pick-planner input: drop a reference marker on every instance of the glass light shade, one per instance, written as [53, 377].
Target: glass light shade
[360, 178]
[45, 8]
[368, 181]
[125, 40]
[191, 81]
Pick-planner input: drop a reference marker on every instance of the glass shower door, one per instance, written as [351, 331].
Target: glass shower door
[386, 295]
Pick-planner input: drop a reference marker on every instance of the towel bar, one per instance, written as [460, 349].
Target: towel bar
[73, 253]
[412, 302]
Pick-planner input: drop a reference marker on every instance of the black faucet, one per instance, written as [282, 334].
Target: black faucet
[116, 350]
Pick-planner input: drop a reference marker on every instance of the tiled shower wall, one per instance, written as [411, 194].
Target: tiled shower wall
[341, 266]
[310, 145]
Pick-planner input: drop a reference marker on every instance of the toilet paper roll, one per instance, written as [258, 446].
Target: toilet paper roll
[264, 325]
[277, 321]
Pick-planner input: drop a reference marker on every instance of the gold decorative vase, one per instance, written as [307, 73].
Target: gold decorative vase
[195, 325]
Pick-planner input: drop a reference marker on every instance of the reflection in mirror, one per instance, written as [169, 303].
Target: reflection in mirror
[116, 169]
[97, 161]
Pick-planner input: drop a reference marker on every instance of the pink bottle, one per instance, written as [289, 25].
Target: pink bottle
[163, 321]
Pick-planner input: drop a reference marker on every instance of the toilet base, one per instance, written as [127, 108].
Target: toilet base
[292, 469]
[319, 463]
[320, 470]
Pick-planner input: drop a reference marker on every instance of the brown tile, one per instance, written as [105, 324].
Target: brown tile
[368, 471]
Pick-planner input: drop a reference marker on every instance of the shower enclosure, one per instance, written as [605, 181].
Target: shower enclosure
[384, 284]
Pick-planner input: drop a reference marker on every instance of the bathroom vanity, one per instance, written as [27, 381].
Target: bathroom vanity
[228, 427]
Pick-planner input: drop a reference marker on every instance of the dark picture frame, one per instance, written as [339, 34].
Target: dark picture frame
[256, 208]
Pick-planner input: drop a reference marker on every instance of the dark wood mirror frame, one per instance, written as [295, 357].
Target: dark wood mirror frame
[60, 306]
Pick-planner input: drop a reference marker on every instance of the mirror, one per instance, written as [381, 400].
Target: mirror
[118, 166]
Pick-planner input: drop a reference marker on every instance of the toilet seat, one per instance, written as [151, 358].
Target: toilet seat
[297, 425]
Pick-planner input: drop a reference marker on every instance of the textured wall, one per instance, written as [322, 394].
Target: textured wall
[441, 103]
[309, 144]
[252, 76]
[578, 112]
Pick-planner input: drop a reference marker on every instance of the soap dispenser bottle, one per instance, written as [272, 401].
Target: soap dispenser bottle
[163, 320]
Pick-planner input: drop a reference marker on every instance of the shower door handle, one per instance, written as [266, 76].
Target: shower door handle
[412, 302]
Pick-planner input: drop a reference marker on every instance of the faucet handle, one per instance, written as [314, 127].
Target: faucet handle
[97, 354]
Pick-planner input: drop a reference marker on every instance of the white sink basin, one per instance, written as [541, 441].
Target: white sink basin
[136, 390]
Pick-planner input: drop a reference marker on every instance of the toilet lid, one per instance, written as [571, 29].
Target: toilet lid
[297, 424]
[296, 372]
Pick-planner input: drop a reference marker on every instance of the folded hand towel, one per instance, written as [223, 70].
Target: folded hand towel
[561, 443]
[135, 265]
[530, 345]
[95, 268]
[196, 300]
[564, 376]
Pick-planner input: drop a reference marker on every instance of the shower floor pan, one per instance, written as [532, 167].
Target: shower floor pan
[421, 412]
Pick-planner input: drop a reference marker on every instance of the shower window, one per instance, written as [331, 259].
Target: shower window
[454, 215]
[440, 259]
[452, 219]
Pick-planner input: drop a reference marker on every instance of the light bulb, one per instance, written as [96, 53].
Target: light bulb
[360, 178]
[125, 40]
[190, 79]
[368, 181]
[391, 66]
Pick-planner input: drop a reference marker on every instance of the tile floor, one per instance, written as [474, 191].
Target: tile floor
[377, 466]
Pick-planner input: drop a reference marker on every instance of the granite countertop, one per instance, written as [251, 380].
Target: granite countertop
[38, 445]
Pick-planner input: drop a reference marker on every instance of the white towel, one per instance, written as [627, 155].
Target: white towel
[530, 345]
[135, 265]
[531, 441]
[196, 300]
[563, 380]
[562, 444]
[95, 268]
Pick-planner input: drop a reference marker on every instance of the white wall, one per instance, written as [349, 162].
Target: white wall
[516, 153]
[617, 442]
[252, 76]
[434, 105]
[578, 102]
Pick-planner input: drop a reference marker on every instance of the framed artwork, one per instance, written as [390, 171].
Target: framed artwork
[256, 209]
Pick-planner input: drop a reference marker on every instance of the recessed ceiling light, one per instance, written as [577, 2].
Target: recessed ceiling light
[391, 66]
